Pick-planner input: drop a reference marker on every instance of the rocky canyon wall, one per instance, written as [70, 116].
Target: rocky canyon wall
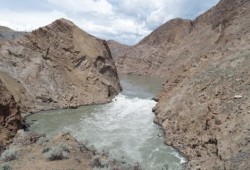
[60, 66]
[56, 66]
[204, 105]
[10, 116]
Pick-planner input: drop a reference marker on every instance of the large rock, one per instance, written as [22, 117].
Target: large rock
[10, 117]
[60, 66]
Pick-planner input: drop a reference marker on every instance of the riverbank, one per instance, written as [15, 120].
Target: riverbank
[124, 127]
[31, 150]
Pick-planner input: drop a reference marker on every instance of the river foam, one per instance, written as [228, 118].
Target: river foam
[124, 127]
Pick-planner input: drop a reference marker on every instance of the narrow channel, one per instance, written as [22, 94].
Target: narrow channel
[124, 127]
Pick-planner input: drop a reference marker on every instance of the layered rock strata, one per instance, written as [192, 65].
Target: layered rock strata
[204, 105]
[10, 117]
[60, 66]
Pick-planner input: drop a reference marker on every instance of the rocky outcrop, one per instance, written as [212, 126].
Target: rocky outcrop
[60, 66]
[117, 48]
[206, 116]
[10, 117]
[156, 54]
[204, 105]
[34, 151]
[204, 108]
[30, 150]
[18, 92]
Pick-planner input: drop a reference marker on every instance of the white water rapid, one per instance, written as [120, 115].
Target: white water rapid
[124, 127]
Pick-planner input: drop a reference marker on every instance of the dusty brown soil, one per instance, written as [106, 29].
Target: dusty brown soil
[31, 156]
[34, 151]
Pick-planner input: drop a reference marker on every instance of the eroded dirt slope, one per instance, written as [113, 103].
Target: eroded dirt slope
[61, 66]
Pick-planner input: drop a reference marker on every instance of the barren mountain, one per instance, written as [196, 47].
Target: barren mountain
[204, 105]
[5, 29]
[9, 34]
[59, 66]
[117, 48]
[181, 44]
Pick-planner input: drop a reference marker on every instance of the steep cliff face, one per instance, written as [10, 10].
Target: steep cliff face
[117, 48]
[204, 105]
[155, 54]
[207, 115]
[61, 66]
[170, 33]
[10, 117]
[179, 45]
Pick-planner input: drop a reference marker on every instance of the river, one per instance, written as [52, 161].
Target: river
[124, 127]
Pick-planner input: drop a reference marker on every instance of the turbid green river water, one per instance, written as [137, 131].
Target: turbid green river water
[124, 127]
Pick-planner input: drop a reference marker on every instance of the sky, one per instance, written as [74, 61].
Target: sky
[125, 21]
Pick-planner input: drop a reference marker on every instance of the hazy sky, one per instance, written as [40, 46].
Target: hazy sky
[126, 21]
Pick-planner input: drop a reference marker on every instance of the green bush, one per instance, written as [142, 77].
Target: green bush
[42, 140]
[46, 149]
[9, 154]
[5, 167]
[101, 162]
[95, 161]
[57, 152]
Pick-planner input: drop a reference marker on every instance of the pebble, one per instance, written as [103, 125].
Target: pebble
[237, 96]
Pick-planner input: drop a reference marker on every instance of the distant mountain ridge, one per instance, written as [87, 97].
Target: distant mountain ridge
[3, 28]
[9, 34]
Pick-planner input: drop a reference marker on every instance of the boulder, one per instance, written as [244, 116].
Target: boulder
[10, 117]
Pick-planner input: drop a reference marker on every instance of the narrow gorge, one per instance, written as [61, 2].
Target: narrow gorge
[53, 67]
[203, 107]
[178, 99]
